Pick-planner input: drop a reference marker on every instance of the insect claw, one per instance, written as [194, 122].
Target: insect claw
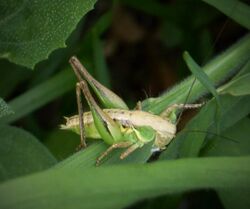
[80, 146]
[97, 163]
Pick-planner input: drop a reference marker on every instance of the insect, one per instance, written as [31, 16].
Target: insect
[116, 125]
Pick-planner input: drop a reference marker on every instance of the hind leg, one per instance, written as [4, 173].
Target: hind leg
[168, 113]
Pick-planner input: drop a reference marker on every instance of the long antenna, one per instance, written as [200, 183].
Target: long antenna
[206, 58]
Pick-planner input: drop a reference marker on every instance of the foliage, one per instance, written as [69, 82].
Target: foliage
[39, 167]
[33, 29]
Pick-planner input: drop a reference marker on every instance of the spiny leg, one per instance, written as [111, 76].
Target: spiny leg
[111, 148]
[81, 121]
[108, 98]
[108, 129]
[128, 151]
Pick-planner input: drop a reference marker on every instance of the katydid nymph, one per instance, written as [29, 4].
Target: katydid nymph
[116, 125]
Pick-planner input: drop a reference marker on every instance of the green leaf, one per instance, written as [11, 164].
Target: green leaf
[21, 153]
[206, 82]
[240, 146]
[245, 70]
[240, 84]
[217, 69]
[31, 30]
[191, 139]
[55, 86]
[239, 87]
[4, 109]
[200, 75]
[119, 186]
[41, 95]
[236, 198]
[11, 76]
[87, 157]
[235, 9]
[61, 143]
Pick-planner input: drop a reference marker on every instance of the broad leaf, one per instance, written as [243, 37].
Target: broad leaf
[21, 153]
[62, 144]
[4, 109]
[31, 30]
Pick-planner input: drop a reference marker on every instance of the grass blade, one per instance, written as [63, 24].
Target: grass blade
[119, 186]
[190, 141]
[200, 75]
[217, 70]
[41, 95]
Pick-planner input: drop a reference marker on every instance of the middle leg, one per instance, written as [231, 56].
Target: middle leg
[111, 148]
[128, 151]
